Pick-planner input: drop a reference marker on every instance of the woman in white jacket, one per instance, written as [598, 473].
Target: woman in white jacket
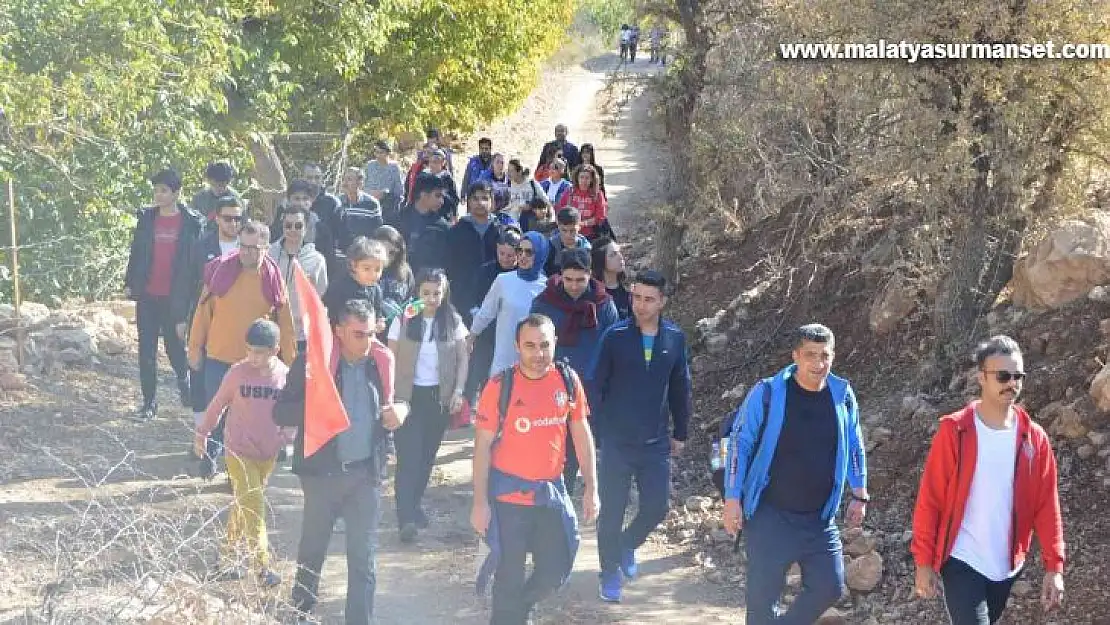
[290, 247]
[510, 299]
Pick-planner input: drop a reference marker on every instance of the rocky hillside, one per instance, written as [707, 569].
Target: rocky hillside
[741, 296]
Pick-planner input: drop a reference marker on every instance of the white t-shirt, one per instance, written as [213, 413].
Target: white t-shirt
[427, 359]
[521, 194]
[227, 246]
[984, 538]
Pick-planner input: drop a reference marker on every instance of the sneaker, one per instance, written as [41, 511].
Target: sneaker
[269, 579]
[422, 521]
[147, 412]
[186, 393]
[408, 533]
[610, 587]
[628, 564]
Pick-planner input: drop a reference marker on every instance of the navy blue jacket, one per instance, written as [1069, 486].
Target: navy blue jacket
[630, 399]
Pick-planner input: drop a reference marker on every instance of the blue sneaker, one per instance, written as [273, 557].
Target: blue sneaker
[610, 587]
[628, 564]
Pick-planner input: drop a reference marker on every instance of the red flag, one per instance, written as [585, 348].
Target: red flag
[324, 413]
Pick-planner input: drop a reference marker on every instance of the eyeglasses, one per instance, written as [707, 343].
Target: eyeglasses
[525, 251]
[231, 219]
[1005, 376]
[293, 226]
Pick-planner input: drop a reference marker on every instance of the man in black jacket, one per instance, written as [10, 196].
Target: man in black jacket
[157, 279]
[471, 243]
[424, 229]
[343, 478]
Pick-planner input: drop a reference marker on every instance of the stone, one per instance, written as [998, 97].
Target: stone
[1100, 388]
[864, 573]
[794, 576]
[1022, 588]
[1085, 451]
[896, 301]
[1097, 439]
[736, 393]
[832, 616]
[1068, 424]
[1104, 328]
[914, 407]
[698, 503]
[112, 345]
[1066, 265]
[877, 436]
[1099, 294]
[716, 343]
[12, 381]
[857, 542]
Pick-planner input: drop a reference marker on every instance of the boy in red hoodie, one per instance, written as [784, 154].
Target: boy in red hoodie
[989, 483]
[249, 391]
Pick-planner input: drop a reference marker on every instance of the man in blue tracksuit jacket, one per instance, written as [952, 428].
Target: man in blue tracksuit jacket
[784, 479]
[640, 373]
[582, 310]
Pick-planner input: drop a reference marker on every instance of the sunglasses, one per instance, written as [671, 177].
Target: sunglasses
[231, 219]
[1005, 376]
[525, 251]
[293, 226]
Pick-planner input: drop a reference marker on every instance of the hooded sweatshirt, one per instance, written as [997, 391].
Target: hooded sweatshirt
[580, 323]
[249, 394]
[314, 266]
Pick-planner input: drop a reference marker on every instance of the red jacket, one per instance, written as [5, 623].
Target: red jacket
[946, 483]
[592, 207]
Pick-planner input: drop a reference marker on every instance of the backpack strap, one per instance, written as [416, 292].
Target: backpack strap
[505, 379]
[568, 379]
[766, 384]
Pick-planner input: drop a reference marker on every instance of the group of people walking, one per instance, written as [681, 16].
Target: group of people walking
[518, 313]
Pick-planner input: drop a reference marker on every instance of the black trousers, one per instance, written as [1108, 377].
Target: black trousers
[154, 321]
[417, 443]
[971, 598]
[354, 497]
[524, 530]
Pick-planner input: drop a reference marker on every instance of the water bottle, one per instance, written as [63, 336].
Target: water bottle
[715, 459]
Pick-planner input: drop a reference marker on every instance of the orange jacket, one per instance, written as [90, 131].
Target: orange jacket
[946, 483]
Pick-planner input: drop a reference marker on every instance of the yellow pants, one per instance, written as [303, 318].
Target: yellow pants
[246, 525]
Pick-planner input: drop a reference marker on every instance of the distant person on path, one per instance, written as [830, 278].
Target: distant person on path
[568, 149]
[589, 157]
[359, 215]
[609, 269]
[214, 243]
[341, 478]
[291, 249]
[786, 471]
[539, 217]
[481, 355]
[568, 238]
[248, 392]
[640, 377]
[324, 205]
[658, 41]
[498, 177]
[590, 202]
[478, 164]
[520, 503]
[633, 42]
[437, 166]
[582, 311]
[159, 279]
[473, 243]
[510, 299]
[385, 182]
[522, 189]
[424, 226]
[217, 177]
[543, 170]
[239, 288]
[431, 351]
[625, 41]
[557, 185]
[988, 503]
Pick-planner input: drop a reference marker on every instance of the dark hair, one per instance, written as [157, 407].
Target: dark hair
[300, 185]
[219, 172]
[446, 321]
[485, 141]
[479, 185]
[598, 256]
[1000, 345]
[398, 268]
[575, 258]
[650, 277]
[588, 147]
[539, 201]
[568, 216]
[549, 152]
[359, 309]
[363, 248]
[226, 201]
[295, 210]
[168, 177]
[383, 145]
[432, 133]
[519, 167]
[534, 320]
[425, 183]
[813, 333]
[510, 236]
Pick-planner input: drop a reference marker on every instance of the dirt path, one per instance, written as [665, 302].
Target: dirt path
[68, 454]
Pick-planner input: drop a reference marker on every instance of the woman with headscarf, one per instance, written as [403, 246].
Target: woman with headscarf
[510, 299]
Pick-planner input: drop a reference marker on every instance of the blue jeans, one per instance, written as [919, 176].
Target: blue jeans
[214, 372]
[651, 469]
[775, 539]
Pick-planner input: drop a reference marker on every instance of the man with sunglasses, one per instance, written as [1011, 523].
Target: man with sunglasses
[990, 481]
[291, 249]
